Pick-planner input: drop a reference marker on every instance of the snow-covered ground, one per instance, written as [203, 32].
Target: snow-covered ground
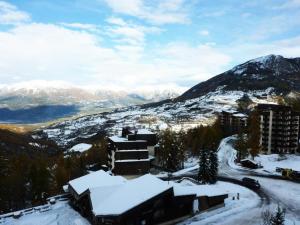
[282, 192]
[175, 115]
[59, 214]
[248, 200]
[270, 162]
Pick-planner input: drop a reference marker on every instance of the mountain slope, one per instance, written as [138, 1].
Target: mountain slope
[260, 81]
[275, 71]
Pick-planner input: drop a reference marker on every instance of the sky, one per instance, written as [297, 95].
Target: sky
[122, 44]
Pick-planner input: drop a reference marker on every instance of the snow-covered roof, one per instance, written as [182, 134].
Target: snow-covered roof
[95, 179]
[82, 147]
[249, 160]
[240, 115]
[133, 150]
[144, 131]
[117, 199]
[122, 139]
[133, 160]
[198, 190]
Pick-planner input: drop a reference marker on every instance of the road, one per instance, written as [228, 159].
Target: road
[274, 190]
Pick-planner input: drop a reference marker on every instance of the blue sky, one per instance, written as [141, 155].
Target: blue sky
[123, 44]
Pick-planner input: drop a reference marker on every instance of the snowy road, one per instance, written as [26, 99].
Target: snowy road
[283, 192]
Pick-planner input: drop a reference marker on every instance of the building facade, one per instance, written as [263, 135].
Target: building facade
[279, 127]
[232, 122]
[146, 200]
[131, 154]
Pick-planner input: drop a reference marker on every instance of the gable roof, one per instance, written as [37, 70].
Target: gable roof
[95, 179]
[115, 200]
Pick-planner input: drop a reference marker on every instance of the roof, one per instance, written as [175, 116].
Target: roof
[82, 147]
[122, 139]
[240, 115]
[118, 199]
[198, 190]
[134, 160]
[144, 131]
[95, 179]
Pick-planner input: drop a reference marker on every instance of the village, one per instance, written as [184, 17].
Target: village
[136, 186]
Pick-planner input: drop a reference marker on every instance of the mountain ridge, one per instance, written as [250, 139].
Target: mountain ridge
[274, 71]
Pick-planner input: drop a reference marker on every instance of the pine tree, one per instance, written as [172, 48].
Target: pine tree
[254, 134]
[171, 153]
[203, 173]
[213, 166]
[278, 218]
[241, 145]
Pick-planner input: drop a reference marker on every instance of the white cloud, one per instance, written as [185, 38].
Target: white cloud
[289, 4]
[158, 12]
[204, 32]
[9, 14]
[53, 52]
[129, 33]
[82, 26]
[289, 47]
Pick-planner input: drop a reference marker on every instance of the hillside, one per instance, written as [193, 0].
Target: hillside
[275, 71]
[12, 143]
[260, 80]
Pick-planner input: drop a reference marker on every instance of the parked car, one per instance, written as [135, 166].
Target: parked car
[251, 183]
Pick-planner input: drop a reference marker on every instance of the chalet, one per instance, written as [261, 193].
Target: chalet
[279, 128]
[131, 153]
[145, 200]
[232, 121]
[79, 188]
[248, 163]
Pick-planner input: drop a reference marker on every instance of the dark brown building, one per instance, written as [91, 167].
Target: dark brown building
[147, 200]
[232, 122]
[279, 128]
[131, 154]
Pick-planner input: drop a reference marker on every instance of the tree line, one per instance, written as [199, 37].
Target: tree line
[201, 142]
[27, 180]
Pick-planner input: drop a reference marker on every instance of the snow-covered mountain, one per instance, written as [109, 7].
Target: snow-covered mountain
[39, 92]
[36, 101]
[283, 74]
[260, 80]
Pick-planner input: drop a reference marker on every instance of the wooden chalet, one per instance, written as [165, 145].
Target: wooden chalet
[145, 200]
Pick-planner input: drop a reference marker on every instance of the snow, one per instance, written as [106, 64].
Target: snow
[220, 188]
[60, 213]
[95, 179]
[248, 200]
[180, 115]
[144, 131]
[270, 162]
[282, 192]
[118, 199]
[82, 147]
[133, 160]
[121, 139]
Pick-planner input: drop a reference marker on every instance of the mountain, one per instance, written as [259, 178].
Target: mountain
[282, 74]
[41, 101]
[259, 80]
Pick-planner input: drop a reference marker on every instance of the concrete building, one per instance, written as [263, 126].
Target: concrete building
[279, 128]
[131, 154]
[232, 122]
